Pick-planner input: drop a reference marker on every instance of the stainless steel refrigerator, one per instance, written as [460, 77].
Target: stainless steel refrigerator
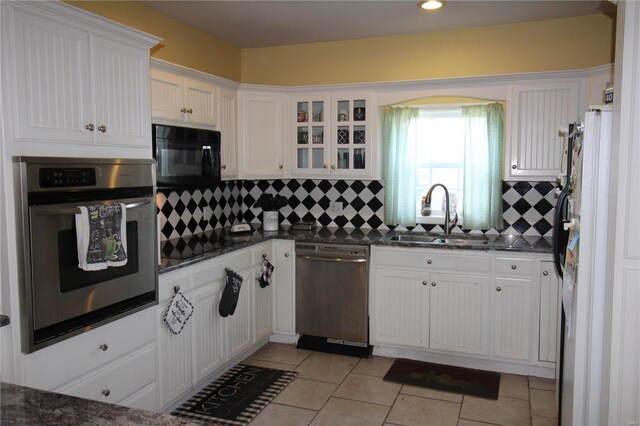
[580, 250]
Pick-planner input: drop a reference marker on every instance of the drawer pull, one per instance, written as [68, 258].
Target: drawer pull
[424, 283]
[429, 261]
[190, 110]
[183, 110]
[90, 127]
[102, 128]
[514, 267]
[104, 347]
[433, 284]
[498, 288]
[286, 255]
[545, 273]
[106, 392]
[224, 166]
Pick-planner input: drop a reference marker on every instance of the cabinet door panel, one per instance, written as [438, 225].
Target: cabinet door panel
[53, 83]
[284, 314]
[208, 332]
[262, 136]
[537, 111]
[121, 94]
[459, 313]
[549, 312]
[401, 306]
[174, 360]
[262, 309]
[201, 100]
[239, 325]
[513, 318]
[228, 129]
[167, 96]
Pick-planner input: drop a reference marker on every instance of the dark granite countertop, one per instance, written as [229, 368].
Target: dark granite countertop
[21, 405]
[181, 252]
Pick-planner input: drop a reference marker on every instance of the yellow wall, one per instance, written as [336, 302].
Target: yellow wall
[559, 44]
[182, 44]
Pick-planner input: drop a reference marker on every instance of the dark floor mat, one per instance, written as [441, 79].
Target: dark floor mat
[237, 396]
[484, 384]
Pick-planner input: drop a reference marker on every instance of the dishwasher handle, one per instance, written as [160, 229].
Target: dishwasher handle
[334, 259]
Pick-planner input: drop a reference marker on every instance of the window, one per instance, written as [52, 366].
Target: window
[439, 146]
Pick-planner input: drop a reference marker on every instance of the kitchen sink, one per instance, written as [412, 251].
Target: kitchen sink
[439, 240]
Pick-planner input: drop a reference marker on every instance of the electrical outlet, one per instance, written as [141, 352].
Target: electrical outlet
[335, 208]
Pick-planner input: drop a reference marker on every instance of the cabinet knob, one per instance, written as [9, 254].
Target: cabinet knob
[183, 110]
[103, 347]
[190, 111]
[429, 261]
[498, 288]
[324, 166]
[333, 166]
[433, 284]
[514, 267]
[90, 127]
[545, 273]
[102, 128]
[424, 283]
[106, 392]
[224, 166]
[280, 166]
[515, 166]
[286, 255]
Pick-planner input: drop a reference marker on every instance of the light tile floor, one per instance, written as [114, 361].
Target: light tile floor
[340, 390]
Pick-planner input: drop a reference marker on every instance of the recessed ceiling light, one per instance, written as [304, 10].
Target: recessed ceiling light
[431, 4]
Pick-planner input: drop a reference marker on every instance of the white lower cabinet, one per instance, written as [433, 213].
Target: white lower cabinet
[284, 320]
[209, 343]
[400, 301]
[549, 312]
[458, 314]
[488, 309]
[513, 317]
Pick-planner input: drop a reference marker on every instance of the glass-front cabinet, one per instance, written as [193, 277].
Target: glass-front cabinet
[332, 135]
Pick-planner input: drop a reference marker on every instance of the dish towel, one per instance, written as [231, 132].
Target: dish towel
[101, 231]
[265, 273]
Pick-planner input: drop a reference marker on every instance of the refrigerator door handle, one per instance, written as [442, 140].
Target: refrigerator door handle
[559, 233]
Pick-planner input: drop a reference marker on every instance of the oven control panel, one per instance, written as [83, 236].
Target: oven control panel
[63, 177]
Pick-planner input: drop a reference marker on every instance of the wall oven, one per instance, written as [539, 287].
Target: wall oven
[59, 299]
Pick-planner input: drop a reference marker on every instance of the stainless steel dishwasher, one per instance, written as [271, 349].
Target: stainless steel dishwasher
[332, 293]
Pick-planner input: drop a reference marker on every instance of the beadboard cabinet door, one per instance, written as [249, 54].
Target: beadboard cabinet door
[228, 124]
[239, 326]
[513, 321]
[53, 81]
[174, 359]
[262, 135]
[121, 94]
[459, 313]
[284, 299]
[208, 333]
[201, 101]
[536, 111]
[400, 300]
[263, 300]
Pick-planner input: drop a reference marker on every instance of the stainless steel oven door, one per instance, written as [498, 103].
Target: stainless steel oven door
[61, 290]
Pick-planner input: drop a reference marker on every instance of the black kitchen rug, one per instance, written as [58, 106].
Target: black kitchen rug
[237, 396]
[484, 384]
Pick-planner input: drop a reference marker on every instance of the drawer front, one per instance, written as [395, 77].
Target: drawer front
[119, 381]
[56, 365]
[514, 266]
[214, 270]
[439, 260]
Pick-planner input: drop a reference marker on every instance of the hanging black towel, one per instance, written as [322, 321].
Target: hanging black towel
[230, 294]
[265, 273]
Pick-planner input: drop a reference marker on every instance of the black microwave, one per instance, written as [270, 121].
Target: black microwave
[186, 157]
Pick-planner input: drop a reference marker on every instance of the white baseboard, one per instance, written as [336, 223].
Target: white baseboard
[289, 339]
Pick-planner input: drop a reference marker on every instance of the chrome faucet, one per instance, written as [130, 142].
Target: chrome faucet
[426, 209]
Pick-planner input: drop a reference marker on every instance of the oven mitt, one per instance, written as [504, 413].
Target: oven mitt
[265, 273]
[230, 294]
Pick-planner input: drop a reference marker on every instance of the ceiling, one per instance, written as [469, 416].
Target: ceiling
[262, 23]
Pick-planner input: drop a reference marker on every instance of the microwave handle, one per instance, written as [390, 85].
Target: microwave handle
[74, 210]
[207, 161]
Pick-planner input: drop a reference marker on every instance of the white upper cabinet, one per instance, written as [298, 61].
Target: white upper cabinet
[536, 111]
[261, 135]
[332, 135]
[183, 101]
[228, 125]
[74, 78]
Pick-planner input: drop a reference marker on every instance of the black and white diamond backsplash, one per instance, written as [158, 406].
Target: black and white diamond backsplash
[528, 207]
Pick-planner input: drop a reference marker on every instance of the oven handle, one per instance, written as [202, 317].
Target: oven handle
[334, 259]
[75, 210]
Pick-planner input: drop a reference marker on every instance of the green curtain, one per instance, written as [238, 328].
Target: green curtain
[399, 170]
[483, 151]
